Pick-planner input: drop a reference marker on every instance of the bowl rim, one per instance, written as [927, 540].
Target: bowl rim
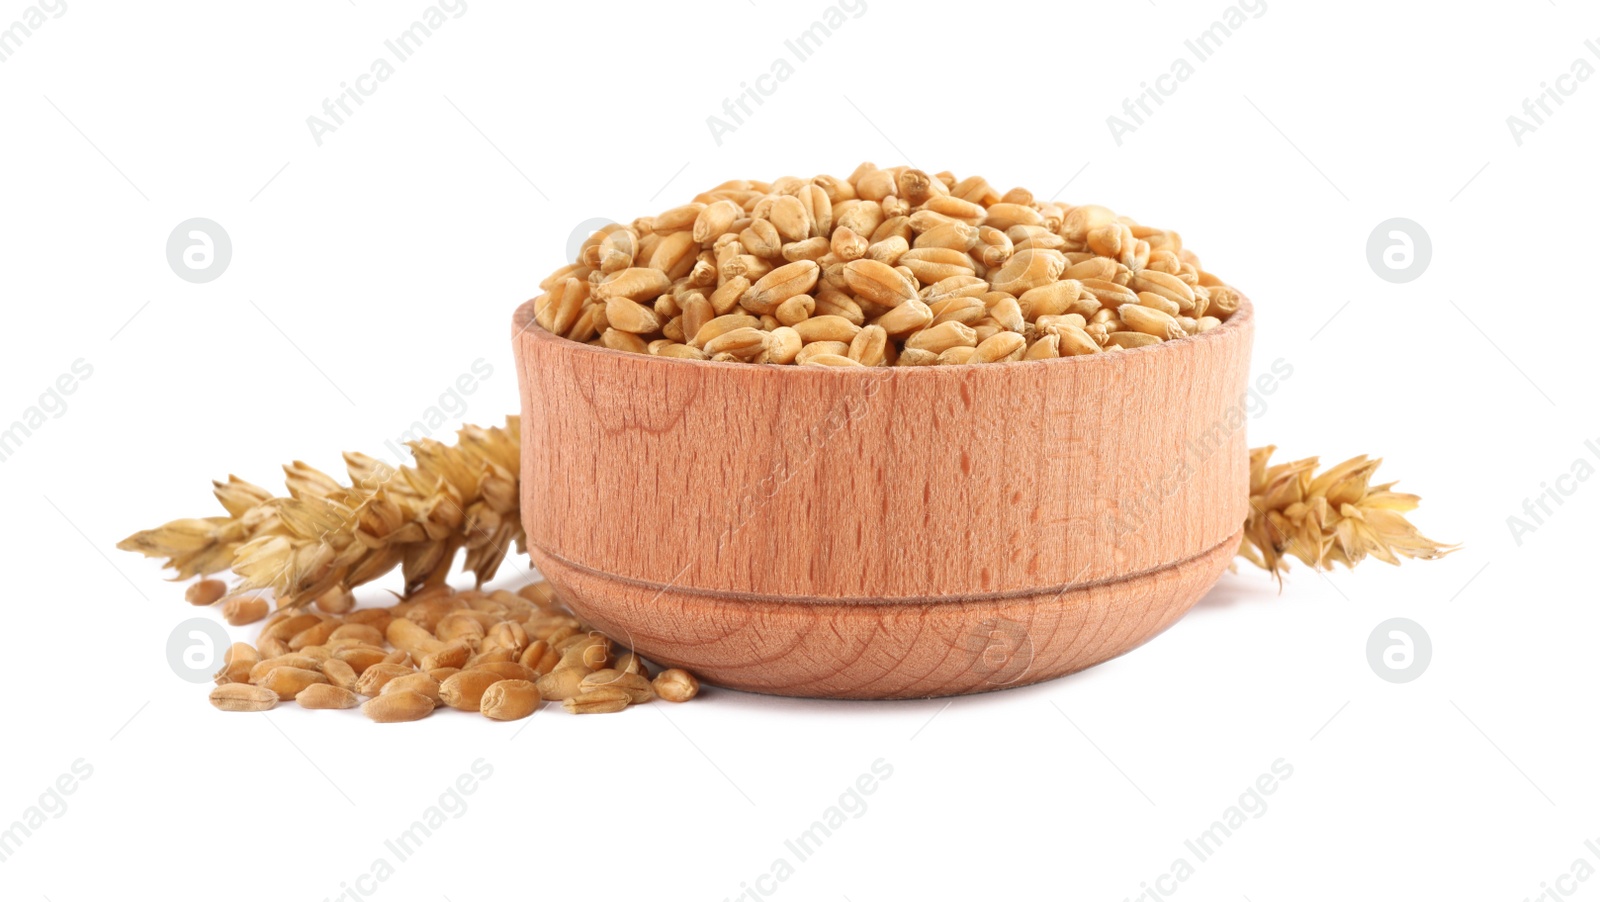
[526, 328]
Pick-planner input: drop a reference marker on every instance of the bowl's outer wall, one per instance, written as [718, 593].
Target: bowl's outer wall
[897, 484]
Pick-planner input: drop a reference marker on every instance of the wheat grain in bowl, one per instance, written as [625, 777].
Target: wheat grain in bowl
[887, 267]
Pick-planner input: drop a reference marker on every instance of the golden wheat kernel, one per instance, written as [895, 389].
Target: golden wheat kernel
[795, 309]
[290, 626]
[790, 217]
[676, 685]
[408, 635]
[966, 310]
[721, 325]
[554, 632]
[359, 632]
[1224, 302]
[1167, 286]
[678, 219]
[1002, 346]
[1046, 347]
[288, 681]
[360, 658]
[243, 697]
[781, 284]
[942, 337]
[604, 700]
[1158, 302]
[831, 360]
[618, 340]
[414, 682]
[1093, 268]
[630, 316]
[241, 653]
[868, 346]
[956, 355]
[1110, 294]
[464, 691]
[1150, 321]
[819, 348]
[714, 221]
[886, 251]
[1007, 314]
[834, 303]
[930, 265]
[377, 618]
[873, 184]
[372, 680]
[339, 673]
[509, 635]
[236, 672]
[239, 610]
[1108, 240]
[906, 318]
[510, 700]
[326, 696]
[879, 282]
[398, 707]
[1053, 299]
[460, 626]
[205, 592]
[508, 670]
[1075, 340]
[1130, 340]
[744, 343]
[682, 351]
[761, 239]
[1028, 269]
[534, 654]
[638, 688]
[561, 683]
[630, 662]
[815, 250]
[617, 251]
[320, 653]
[314, 635]
[261, 668]
[847, 244]
[636, 283]
[943, 233]
[957, 286]
[829, 327]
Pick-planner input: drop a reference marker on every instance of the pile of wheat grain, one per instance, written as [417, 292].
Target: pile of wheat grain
[501, 654]
[889, 267]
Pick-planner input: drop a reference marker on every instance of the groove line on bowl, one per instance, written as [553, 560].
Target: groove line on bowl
[1058, 588]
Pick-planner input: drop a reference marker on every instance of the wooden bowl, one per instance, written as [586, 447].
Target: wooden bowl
[898, 532]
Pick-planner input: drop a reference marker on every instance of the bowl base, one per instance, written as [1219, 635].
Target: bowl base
[822, 649]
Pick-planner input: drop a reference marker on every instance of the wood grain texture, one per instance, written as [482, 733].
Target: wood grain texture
[757, 522]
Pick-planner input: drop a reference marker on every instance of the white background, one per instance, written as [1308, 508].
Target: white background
[369, 272]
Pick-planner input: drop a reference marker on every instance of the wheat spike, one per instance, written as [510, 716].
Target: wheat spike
[326, 535]
[1336, 516]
